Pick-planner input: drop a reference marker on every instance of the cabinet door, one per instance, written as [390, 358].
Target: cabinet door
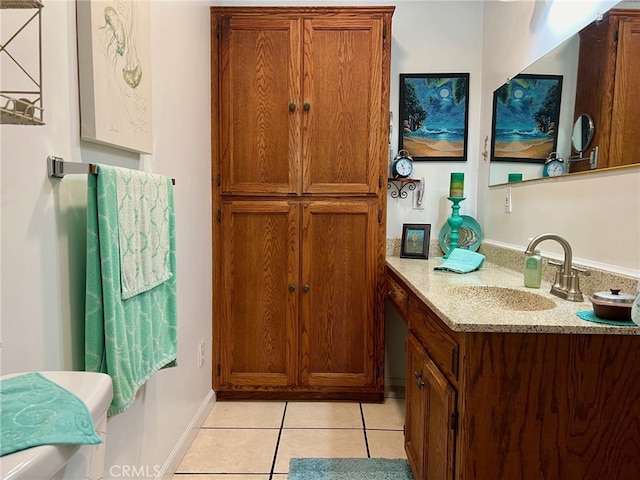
[259, 78]
[440, 424]
[625, 141]
[257, 329]
[344, 132]
[415, 422]
[339, 308]
[429, 416]
[595, 83]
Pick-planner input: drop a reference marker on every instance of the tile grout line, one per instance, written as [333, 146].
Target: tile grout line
[275, 455]
[364, 430]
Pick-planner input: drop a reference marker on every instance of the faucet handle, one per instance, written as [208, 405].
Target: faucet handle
[583, 271]
[555, 264]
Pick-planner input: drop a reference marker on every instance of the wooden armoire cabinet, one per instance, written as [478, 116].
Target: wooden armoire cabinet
[300, 116]
[608, 88]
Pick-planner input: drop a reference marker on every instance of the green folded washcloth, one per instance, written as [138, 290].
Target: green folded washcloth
[462, 261]
[36, 411]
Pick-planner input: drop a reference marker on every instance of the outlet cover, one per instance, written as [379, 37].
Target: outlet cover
[201, 354]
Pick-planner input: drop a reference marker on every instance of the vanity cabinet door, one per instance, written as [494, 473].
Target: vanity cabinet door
[430, 417]
[415, 421]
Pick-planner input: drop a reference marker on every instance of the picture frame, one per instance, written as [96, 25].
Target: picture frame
[434, 116]
[526, 112]
[415, 240]
[114, 65]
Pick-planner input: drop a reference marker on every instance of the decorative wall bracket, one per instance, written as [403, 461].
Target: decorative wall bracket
[400, 187]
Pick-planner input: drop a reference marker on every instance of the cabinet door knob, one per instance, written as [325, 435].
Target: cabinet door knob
[292, 288]
[391, 293]
[292, 107]
[306, 288]
[306, 106]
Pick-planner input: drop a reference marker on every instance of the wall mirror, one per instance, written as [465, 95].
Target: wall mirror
[577, 133]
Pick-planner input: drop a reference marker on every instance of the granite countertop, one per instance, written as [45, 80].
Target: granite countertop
[459, 301]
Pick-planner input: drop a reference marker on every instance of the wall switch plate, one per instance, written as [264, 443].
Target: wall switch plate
[418, 200]
[418, 196]
[508, 204]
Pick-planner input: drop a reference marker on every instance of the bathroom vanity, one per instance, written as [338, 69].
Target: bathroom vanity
[505, 382]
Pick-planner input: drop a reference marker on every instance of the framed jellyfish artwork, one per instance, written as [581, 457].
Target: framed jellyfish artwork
[114, 63]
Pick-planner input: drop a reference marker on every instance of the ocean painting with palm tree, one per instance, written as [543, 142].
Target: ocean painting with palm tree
[433, 111]
[525, 118]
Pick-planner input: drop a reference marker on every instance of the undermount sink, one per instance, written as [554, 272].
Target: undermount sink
[505, 298]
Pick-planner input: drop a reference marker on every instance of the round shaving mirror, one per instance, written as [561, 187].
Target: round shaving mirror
[582, 133]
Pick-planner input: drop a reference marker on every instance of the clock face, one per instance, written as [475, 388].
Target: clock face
[403, 167]
[554, 168]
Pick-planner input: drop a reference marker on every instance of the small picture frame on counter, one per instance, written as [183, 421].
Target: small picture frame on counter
[415, 240]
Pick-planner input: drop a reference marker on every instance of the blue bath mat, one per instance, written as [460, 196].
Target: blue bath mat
[349, 469]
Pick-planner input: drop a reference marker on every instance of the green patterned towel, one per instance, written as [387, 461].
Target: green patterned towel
[36, 411]
[143, 224]
[128, 339]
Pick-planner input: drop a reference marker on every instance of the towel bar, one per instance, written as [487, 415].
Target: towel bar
[57, 167]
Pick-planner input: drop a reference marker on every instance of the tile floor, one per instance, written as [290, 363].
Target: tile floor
[254, 440]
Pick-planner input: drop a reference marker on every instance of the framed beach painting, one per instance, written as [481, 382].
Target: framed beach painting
[525, 116]
[434, 115]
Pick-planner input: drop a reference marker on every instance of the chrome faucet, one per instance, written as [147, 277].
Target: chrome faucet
[566, 284]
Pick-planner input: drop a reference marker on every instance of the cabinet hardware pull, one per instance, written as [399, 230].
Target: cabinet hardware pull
[391, 293]
[292, 288]
[419, 382]
[306, 288]
[292, 107]
[306, 106]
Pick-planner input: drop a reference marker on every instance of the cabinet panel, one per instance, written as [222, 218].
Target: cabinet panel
[625, 143]
[398, 296]
[258, 324]
[608, 87]
[443, 348]
[440, 424]
[339, 312]
[431, 406]
[415, 421]
[342, 83]
[259, 78]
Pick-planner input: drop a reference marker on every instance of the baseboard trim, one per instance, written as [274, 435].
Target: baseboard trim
[184, 442]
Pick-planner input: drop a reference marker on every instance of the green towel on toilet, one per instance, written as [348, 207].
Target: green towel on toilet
[36, 411]
[128, 339]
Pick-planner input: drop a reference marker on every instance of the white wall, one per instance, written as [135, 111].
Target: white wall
[42, 221]
[437, 37]
[598, 213]
[43, 224]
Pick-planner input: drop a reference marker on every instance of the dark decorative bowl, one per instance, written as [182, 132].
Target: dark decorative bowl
[612, 305]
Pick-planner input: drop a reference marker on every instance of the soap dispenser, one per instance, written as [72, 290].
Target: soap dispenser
[533, 270]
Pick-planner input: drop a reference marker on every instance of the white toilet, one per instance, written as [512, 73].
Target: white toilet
[67, 461]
